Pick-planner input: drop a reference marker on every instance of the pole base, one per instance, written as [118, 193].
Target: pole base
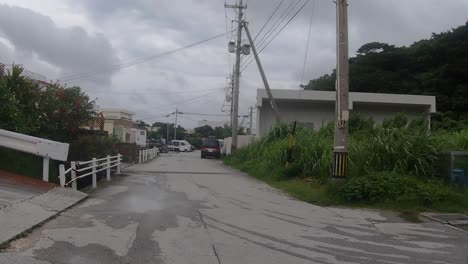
[340, 164]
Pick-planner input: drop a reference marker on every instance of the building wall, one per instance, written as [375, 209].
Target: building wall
[310, 114]
[242, 141]
[138, 136]
[317, 114]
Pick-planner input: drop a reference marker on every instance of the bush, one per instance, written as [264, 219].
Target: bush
[88, 147]
[396, 188]
[377, 187]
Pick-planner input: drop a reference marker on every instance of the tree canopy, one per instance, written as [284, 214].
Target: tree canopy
[56, 112]
[437, 66]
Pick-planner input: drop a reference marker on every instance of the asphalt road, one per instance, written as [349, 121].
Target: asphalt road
[181, 209]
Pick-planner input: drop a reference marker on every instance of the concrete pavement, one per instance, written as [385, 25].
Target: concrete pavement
[26, 203]
[182, 209]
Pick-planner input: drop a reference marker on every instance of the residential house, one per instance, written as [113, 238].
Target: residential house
[118, 123]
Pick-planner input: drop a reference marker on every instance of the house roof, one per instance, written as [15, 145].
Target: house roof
[330, 96]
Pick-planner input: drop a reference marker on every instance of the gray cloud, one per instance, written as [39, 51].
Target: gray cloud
[71, 50]
[141, 28]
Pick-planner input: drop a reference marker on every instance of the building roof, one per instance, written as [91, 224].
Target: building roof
[330, 96]
[116, 110]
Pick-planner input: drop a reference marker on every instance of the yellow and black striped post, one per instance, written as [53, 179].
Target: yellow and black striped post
[340, 164]
[291, 144]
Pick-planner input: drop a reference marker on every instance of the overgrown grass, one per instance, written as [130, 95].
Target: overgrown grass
[392, 166]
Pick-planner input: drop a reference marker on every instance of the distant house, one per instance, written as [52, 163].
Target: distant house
[39, 78]
[317, 108]
[119, 124]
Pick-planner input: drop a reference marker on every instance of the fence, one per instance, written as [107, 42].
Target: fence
[147, 154]
[93, 167]
[453, 166]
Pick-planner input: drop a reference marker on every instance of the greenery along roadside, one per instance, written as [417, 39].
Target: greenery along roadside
[393, 165]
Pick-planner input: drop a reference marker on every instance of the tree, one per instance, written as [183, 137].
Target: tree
[437, 66]
[222, 132]
[204, 131]
[57, 112]
[63, 111]
[140, 124]
[18, 99]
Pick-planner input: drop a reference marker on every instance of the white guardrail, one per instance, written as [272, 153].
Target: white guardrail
[47, 149]
[93, 167]
[147, 154]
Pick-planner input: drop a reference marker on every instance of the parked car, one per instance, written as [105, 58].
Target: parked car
[180, 145]
[210, 148]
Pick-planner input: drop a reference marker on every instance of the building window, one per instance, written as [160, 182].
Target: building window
[142, 133]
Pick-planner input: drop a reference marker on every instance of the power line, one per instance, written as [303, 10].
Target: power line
[160, 92]
[184, 117]
[184, 101]
[297, 12]
[186, 113]
[308, 42]
[292, 5]
[268, 20]
[120, 66]
[278, 22]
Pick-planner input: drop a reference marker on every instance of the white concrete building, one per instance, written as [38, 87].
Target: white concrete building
[317, 108]
[138, 136]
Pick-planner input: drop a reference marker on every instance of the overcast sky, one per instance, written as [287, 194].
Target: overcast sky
[60, 38]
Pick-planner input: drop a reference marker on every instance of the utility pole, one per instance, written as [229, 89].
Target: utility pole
[175, 124]
[235, 99]
[340, 150]
[232, 96]
[251, 114]
[262, 73]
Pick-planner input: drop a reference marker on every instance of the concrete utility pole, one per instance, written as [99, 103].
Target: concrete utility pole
[175, 124]
[232, 95]
[235, 99]
[262, 73]
[251, 114]
[340, 150]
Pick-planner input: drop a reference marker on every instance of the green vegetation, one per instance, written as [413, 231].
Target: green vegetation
[437, 66]
[55, 112]
[392, 165]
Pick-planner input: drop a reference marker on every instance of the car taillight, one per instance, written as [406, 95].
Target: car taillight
[204, 149]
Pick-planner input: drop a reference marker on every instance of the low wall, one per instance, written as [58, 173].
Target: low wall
[129, 152]
[242, 141]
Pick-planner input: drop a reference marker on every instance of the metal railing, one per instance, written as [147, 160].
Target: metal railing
[147, 154]
[93, 167]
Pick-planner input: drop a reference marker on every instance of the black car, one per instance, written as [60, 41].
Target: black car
[210, 148]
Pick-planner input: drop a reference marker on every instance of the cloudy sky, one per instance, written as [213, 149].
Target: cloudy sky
[67, 39]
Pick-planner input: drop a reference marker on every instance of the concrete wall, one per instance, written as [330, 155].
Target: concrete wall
[242, 141]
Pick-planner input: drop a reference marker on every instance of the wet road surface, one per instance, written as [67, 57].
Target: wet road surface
[182, 209]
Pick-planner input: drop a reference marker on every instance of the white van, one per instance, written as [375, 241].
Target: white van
[180, 145]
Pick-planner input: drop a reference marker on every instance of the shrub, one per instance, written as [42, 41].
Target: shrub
[390, 186]
[88, 147]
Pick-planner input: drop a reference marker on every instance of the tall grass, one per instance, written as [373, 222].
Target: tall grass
[385, 156]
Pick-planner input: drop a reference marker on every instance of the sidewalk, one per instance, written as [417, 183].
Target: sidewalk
[26, 203]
